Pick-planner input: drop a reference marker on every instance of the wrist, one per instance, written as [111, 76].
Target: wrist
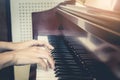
[14, 46]
[7, 45]
[7, 59]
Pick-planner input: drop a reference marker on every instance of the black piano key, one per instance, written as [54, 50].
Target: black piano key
[68, 70]
[64, 77]
[64, 61]
[67, 58]
[73, 68]
[65, 55]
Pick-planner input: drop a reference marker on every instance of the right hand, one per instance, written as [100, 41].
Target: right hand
[33, 55]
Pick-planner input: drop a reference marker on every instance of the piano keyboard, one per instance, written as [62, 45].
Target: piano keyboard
[72, 62]
[66, 67]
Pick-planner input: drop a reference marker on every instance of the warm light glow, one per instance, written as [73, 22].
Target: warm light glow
[87, 43]
[96, 49]
[78, 4]
[102, 4]
[114, 3]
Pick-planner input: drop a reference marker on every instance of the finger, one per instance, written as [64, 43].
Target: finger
[35, 59]
[40, 43]
[42, 50]
[40, 53]
[46, 44]
[47, 49]
[50, 47]
[42, 64]
[51, 62]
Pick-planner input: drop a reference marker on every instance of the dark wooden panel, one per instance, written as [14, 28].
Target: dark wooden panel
[3, 23]
[5, 35]
[5, 27]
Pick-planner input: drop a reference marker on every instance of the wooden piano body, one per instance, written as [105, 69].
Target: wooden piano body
[97, 29]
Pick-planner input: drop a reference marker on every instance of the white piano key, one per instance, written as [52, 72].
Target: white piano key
[43, 38]
[40, 73]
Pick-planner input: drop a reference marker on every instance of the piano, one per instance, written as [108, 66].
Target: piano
[86, 41]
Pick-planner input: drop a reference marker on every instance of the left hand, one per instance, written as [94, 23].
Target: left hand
[22, 45]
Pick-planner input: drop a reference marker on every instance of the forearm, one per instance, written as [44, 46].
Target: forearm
[6, 59]
[7, 45]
